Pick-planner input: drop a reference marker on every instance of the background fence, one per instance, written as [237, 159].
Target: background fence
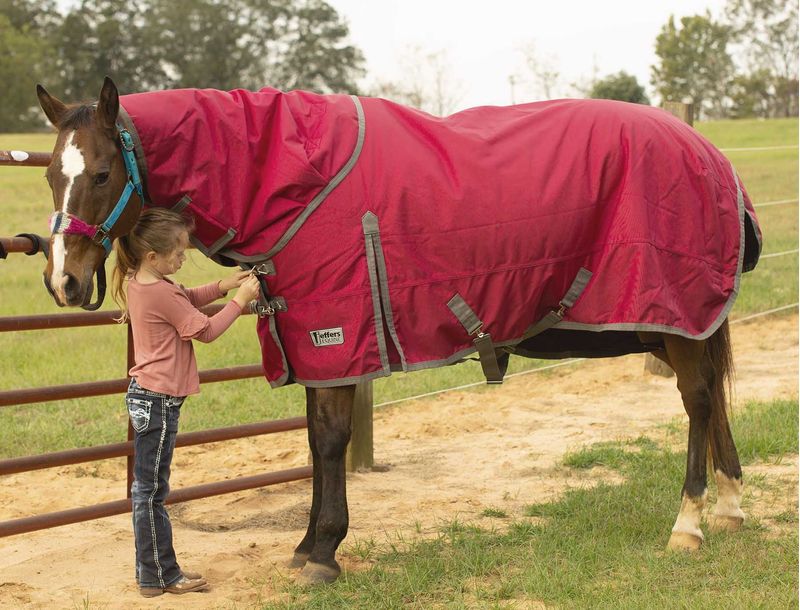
[359, 454]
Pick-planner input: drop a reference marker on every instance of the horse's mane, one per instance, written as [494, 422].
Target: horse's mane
[79, 115]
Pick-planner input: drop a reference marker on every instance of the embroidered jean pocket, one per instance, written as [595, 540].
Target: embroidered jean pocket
[139, 412]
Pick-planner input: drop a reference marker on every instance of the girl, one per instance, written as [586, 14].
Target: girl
[164, 319]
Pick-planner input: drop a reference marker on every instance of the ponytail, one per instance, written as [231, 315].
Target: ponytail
[125, 266]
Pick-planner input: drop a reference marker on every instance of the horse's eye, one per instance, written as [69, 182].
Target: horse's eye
[101, 178]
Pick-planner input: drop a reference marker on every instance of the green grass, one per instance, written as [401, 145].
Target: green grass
[748, 133]
[593, 548]
[71, 355]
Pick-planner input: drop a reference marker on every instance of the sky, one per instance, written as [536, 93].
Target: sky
[481, 40]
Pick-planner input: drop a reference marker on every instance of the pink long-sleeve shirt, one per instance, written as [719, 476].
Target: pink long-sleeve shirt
[165, 318]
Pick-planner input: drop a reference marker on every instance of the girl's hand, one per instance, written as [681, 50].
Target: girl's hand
[248, 291]
[233, 281]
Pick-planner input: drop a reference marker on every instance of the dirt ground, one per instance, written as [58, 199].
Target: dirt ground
[453, 455]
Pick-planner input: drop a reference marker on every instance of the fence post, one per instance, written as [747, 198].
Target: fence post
[685, 112]
[360, 449]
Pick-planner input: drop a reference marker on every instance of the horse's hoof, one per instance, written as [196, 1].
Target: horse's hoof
[318, 573]
[681, 541]
[725, 523]
[298, 561]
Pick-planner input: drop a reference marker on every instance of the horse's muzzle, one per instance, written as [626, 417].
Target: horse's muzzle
[71, 294]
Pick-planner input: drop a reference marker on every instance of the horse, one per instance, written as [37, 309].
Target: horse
[341, 204]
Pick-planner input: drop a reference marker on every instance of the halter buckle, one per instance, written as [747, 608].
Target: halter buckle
[100, 235]
[127, 140]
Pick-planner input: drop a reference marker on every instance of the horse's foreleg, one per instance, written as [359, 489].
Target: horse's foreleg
[695, 376]
[329, 432]
[306, 545]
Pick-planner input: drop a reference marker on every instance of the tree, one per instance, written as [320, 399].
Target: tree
[750, 95]
[694, 63]
[21, 53]
[621, 86]
[543, 69]
[766, 34]
[426, 82]
[153, 44]
[203, 43]
[106, 37]
[317, 56]
[252, 43]
[38, 16]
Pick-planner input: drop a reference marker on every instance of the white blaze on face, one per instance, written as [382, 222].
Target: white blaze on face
[72, 166]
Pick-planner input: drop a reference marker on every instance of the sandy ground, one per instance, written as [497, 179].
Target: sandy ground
[452, 455]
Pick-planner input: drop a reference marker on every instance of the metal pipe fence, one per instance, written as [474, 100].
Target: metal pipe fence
[125, 449]
[32, 244]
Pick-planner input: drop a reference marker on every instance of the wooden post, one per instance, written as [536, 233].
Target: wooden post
[360, 449]
[685, 112]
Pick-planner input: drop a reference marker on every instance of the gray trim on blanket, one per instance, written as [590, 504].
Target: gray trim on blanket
[273, 330]
[419, 366]
[218, 245]
[570, 325]
[214, 248]
[335, 181]
[754, 224]
[241, 258]
[661, 328]
[383, 281]
[181, 205]
[369, 224]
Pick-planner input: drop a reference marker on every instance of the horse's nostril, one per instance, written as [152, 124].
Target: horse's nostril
[72, 289]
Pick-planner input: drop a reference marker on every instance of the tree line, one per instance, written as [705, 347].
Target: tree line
[159, 44]
[743, 64]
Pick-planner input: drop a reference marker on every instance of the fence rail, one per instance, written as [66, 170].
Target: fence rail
[32, 244]
[117, 507]
[125, 449]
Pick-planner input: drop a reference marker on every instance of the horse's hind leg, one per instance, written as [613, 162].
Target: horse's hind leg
[727, 514]
[329, 415]
[695, 374]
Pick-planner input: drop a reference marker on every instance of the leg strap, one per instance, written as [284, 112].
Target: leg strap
[487, 352]
[554, 316]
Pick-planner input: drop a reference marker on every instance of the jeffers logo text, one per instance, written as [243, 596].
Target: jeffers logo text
[327, 336]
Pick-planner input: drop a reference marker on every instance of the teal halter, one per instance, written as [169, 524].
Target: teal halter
[63, 222]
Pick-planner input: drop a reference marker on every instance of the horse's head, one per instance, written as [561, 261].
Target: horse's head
[96, 193]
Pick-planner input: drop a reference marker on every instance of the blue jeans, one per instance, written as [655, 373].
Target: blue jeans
[154, 418]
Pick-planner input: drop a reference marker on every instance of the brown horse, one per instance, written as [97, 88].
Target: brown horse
[90, 178]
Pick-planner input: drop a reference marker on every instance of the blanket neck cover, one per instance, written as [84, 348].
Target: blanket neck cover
[377, 223]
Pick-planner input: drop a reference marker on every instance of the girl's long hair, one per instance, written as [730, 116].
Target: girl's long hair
[156, 230]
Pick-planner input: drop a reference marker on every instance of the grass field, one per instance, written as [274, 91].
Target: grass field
[39, 358]
[596, 548]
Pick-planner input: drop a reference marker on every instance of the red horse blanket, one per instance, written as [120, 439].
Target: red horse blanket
[390, 238]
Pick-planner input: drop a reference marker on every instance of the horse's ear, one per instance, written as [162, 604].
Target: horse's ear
[53, 107]
[108, 105]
